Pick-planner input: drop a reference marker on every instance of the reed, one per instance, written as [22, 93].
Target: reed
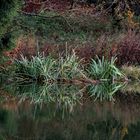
[38, 68]
[102, 69]
[69, 67]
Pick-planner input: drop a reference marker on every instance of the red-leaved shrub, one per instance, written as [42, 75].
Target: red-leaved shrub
[128, 49]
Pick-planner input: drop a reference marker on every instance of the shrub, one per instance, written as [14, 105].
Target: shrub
[128, 49]
[106, 45]
[8, 9]
[125, 46]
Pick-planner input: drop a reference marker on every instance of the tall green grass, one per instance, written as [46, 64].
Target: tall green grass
[69, 67]
[46, 68]
[102, 69]
[38, 68]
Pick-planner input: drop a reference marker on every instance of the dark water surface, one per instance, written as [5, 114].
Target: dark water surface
[66, 113]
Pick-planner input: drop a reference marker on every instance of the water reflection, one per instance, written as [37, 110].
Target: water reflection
[67, 112]
[64, 96]
[105, 90]
[92, 120]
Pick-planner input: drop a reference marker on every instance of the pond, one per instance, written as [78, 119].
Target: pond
[69, 112]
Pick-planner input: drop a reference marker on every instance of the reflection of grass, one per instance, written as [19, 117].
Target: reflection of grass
[65, 96]
[35, 93]
[104, 90]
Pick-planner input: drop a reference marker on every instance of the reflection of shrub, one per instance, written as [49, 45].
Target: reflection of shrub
[104, 91]
[3, 116]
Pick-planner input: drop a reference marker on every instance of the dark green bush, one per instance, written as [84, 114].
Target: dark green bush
[8, 9]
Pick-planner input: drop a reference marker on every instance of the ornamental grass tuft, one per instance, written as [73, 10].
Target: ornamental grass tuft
[38, 68]
[102, 69]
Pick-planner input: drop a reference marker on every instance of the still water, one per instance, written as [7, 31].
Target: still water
[66, 112]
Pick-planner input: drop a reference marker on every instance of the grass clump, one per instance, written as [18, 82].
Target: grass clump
[69, 67]
[104, 69]
[38, 68]
[131, 88]
[132, 72]
[46, 68]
